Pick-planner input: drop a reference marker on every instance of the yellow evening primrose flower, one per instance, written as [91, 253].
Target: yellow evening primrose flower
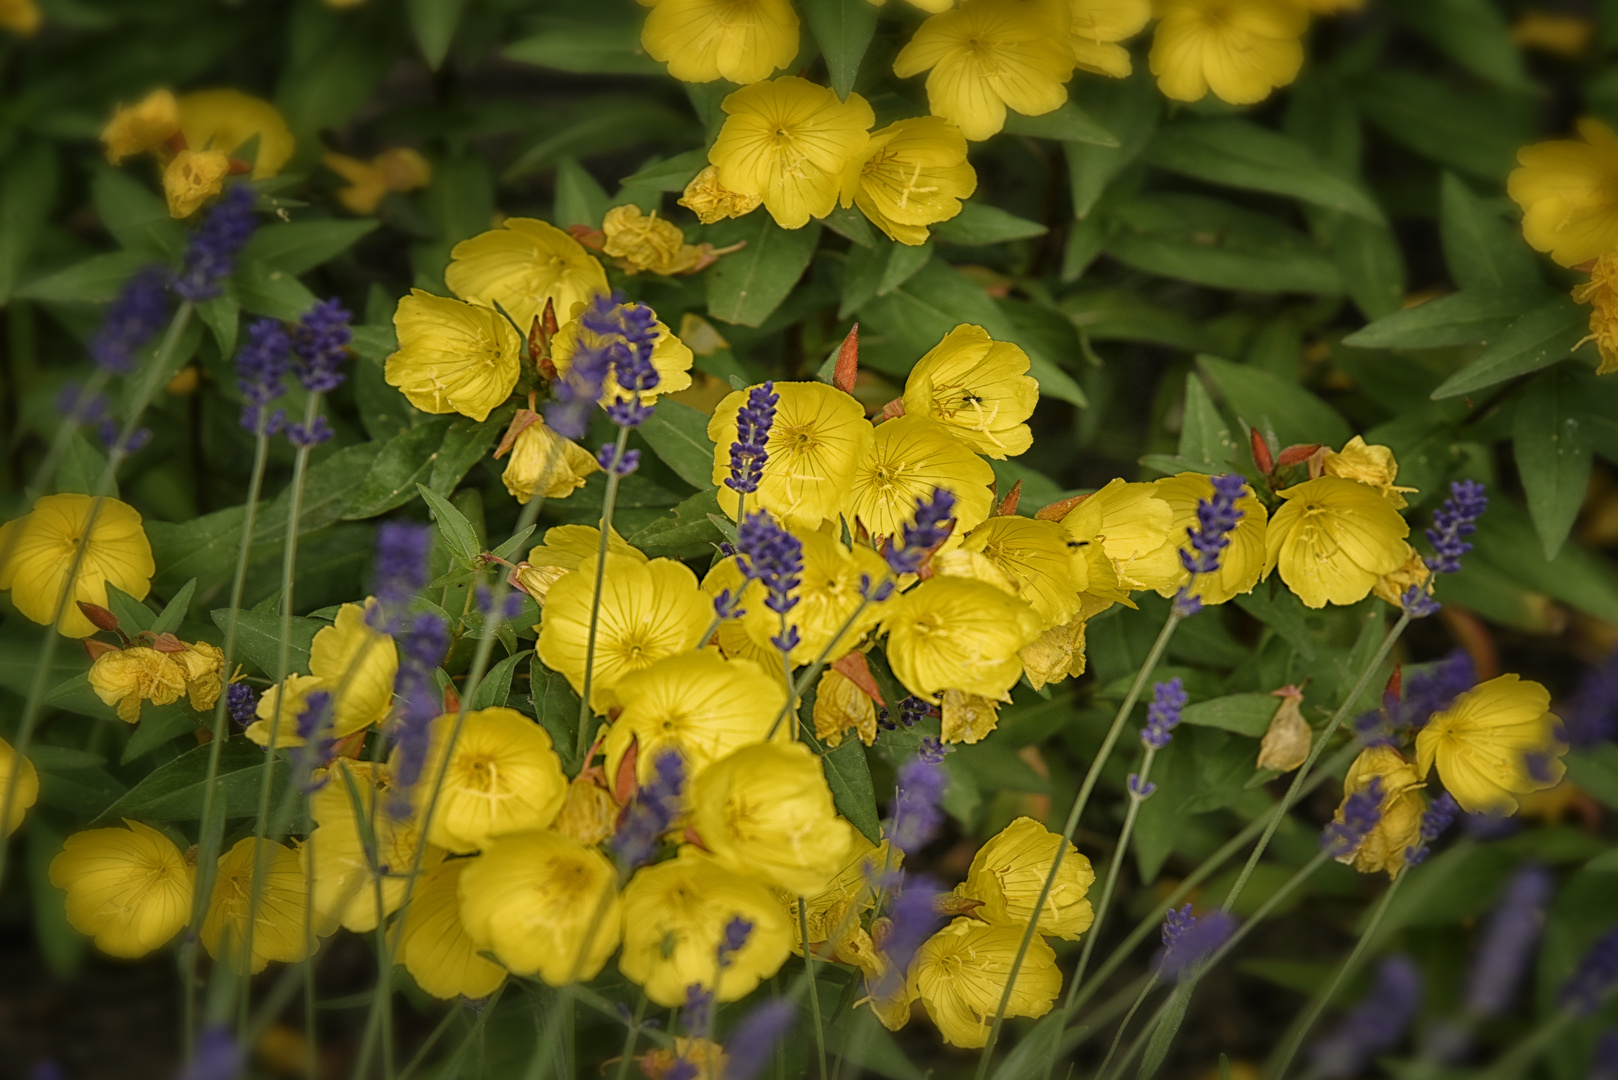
[127, 677]
[565, 547]
[766, 811]
[141, 128]
[204, 667]
[912, 174]
[960, 974]
[967, 718]
[910, 458]
[711, 201]
[670, 357]
[788, 141]
[675, 914]
[849, 894]
[129, 889]
[226, 120]
[433, 943]
[522, 264]
[989, 55]
[1601, 293]
[1040, 557]
[192, 178]
[590, 814]
[978, 387]
[819, 435]
[1332, 540]
[648, 610]
[280, 917]
[398, 168]
[951, 633]
[544, 905]
[1568, 191]
[1008, 873]
[453, 357]
[335, 856]
[1369, 464]
[1482, 743]
[647, 242]
[14, 806]
[741, 41]
[348, 660]
[1240, 564]
[1054, 655]
[37, 552]
[1398, 828]
[546, 464]
[1130, 523]
[826, 598]
[1239, 49]
[1099, 26]
[841, 706]
[503, 777]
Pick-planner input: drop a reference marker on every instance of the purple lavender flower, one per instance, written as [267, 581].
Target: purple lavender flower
[608, 458]
[261, 365]
[132, 319]
[110, 435]
[211, 256]
[215, 1057]
[510, 606]
[752, 1043]
[727, 605]
[321, 341]
[1139, 789]
[1456, 519]
[697, 1012]
[1418, 602]
[417, 704]
[1361, 812]
[1591, 717]
[1587, 987]
[916, 813]
[875, 592]
[771, 556]
[1435, 820]
[1216, 517]
[933, 521]
[241, 703]
[78, 406]
[314, 433]
[913, 918]
[398, 571]
[652, 812]
[632, 366]
[1163, 714]
[1508, 943]
[737, 931]
[1188, 940]
[1492, 825]
[618, 342]
[748, 453]
[1436, 688]
[1375, 1025]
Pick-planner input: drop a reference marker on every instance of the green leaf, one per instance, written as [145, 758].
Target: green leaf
[746, 286]
[878, 270]
[1536, 340]
[1551, 438]
[258, 637]
[1213, 243]
[1273, 404]
[160, 724]
[465, 444]
[405, 460]
[301, 246]
[979, 223]
[1241, 154]
[1125, 315]
[137, 217]
[434, 22]
[174, 611]
[579, 199]
[496, 685]
[133, 616]
[851, 789]
[81, 467]
[1473, 33]
[1472, 316]
[457, 532]
[174, 792]
[1595, 769]
[95, 280]
[1204, 438]
[852, 225]
[1480, 249]
[688, 532]
[670, 174]
[1069, 123]
[278, 294]
[678, 434]
[842, 29]
[1129, 110]
[594, 47]
[1157, 1048]
[1278, 608]
[1245, 714]
[83, 792]
[557, 707]
[61, 945]
[1507, 540]
[1473, 130]
[1367, 255]
[28, 188]
[221, 314]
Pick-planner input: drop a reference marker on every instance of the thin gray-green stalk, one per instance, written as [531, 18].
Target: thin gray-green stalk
[814, 990]
[609, 501]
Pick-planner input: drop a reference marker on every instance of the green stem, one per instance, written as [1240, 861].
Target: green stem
[1123, 1025]
[452, 1014]
[1514, 1062]
[452, 1066]
[1119, 853]
[814, 990]
[796, 689]
[631, 1037]
[609, 502]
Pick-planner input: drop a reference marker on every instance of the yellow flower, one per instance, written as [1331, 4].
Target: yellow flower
[1332, 539]
[544, 463]
[21, 17]
[819, 435]
[967, 718]
[192, 178]
[17, 802]
[979, 388]
[1481, 745]
[911, 458]
[788, 141]
[141, 128]
[279, 918]
[544, 905]
[1240, 564]
[988, 55]
[1369, 464]
[827, 596]
[124, 678]
[1554, 32]
[648, 610]
[590, 814]
[1054, 655]
[1008, 873]
[1098, 27]
[453, 356]
[1568, 191]
[835, 911]
[503, 777]
[961, 972]
[398, 168]
[675, 914]
[698, 704]
[842, 706]
[226, 120]
[1399, 826]
[565, 547]
[1393, 585]
[345, 890]
[348, 660]
[708, 1059]
[647, 242]
[739, 40]
[129, 889]
[669, 356]
[711, 201]
[1601, 293]
[1042, 560]
[1130, 523]
[1239, 49]
[953, 633]
[204, 667]
[521, 265]
[37, 551]
[433, 943]
[912, 174]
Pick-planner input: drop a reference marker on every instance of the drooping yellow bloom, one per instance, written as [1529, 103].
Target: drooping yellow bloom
[1240, 564]
[1482, 745]
[545, 463]
[1008, 873]
[835, 911]
[398, 168]
[1369, 464]
[141, 128]
[989, 55]
[37, 552]
[1130, 524]
[952, 633]
[961, 972]
[453, 357]
[192, 178]
[565, 547]
[698, 704]
[648, 610]
[226, 120]
[1398, 828]
[14, 804]
[204, 667]
[521, 265]
[841, 706]
[1601, 293]
[129, 889]
[827, 597]
[670, 357]
[348, 660]
[675, 914]
[503, 777]
[345, 890]
[738, 40]
[979, 388]
[1333, 539]
[1568, 191]
[1413, 571]
[544, 905]
[1098, 27]
[788, 141]
[711, 201]
[1239, 49]
[280, 930]
[1054, 655]
[819, 435]
[433, 943]
[910, 458]
[912, 174]
[590, 814]
[647, 242]
[126, 677]
[1041, 558]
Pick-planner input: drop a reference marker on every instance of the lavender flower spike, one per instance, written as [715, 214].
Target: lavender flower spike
[574, 396]
[1216, 517]
[211, 256]
[653, 811]
[914, 918]
[1188, 940]
[752, 1044]
[321, 341]
[934, 519]
[771, 556]
[1509, 942]
[1163, 714]
[1375, 1025]
[749, 452]
[241, 703]
[1456, 519]
[136, 315]
[216, 1057]
[399, 571]
[1591, 717]
[737, 931]
[1435, 820]
[418, 704]
[261, 366]
[916, 814]
[1592, 980]
[1361, 813]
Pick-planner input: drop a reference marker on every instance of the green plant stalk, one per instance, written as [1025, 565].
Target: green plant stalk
[1071, 826]
[1123, 1025]
[474, 1035]
[814, 990]
[797, 688]
[631, 1037]
[1514, 1062]
[450, 1016]
[609, 502]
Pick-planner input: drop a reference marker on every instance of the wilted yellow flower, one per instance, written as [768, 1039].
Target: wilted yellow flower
[1130, 523]
[707, 1058]
[503, 777]
[1008, 873]
[704, 40]
[1413, 571]
[836, 910]
[565, 547]
[129, 889]
[20, 17]
[348, 660]
[1369, 464]
[227, 120]
[912, 174]
[204, 667]
[544, 905]
[952, 633]
[911, 458]
[14, 806]
[126, 677]
[1332, 539]
[1239, 49]
[433, 943]
[141, 128]
[1398, 827]
[827, 596]
[842, 706]
[819, 435]
[398, 168]
[967, 718]
[1098, 27]
[979, 388]
[647, 242]
[1286, 741]
[37, 551]
[1568, 191]
[1601, 293]
[788, 141]
[453, 357]
[521, 265]
[1054, 654]
[960, 974]
[698, 704]
[648, 610]
[669, 356]
[1042, 560]
[335, 856]
[280, 916]
[1240, 564]
[545, 463]
[1482, 744]
[675, 914]
[590, 814]
[192, 178]
[711, 201]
